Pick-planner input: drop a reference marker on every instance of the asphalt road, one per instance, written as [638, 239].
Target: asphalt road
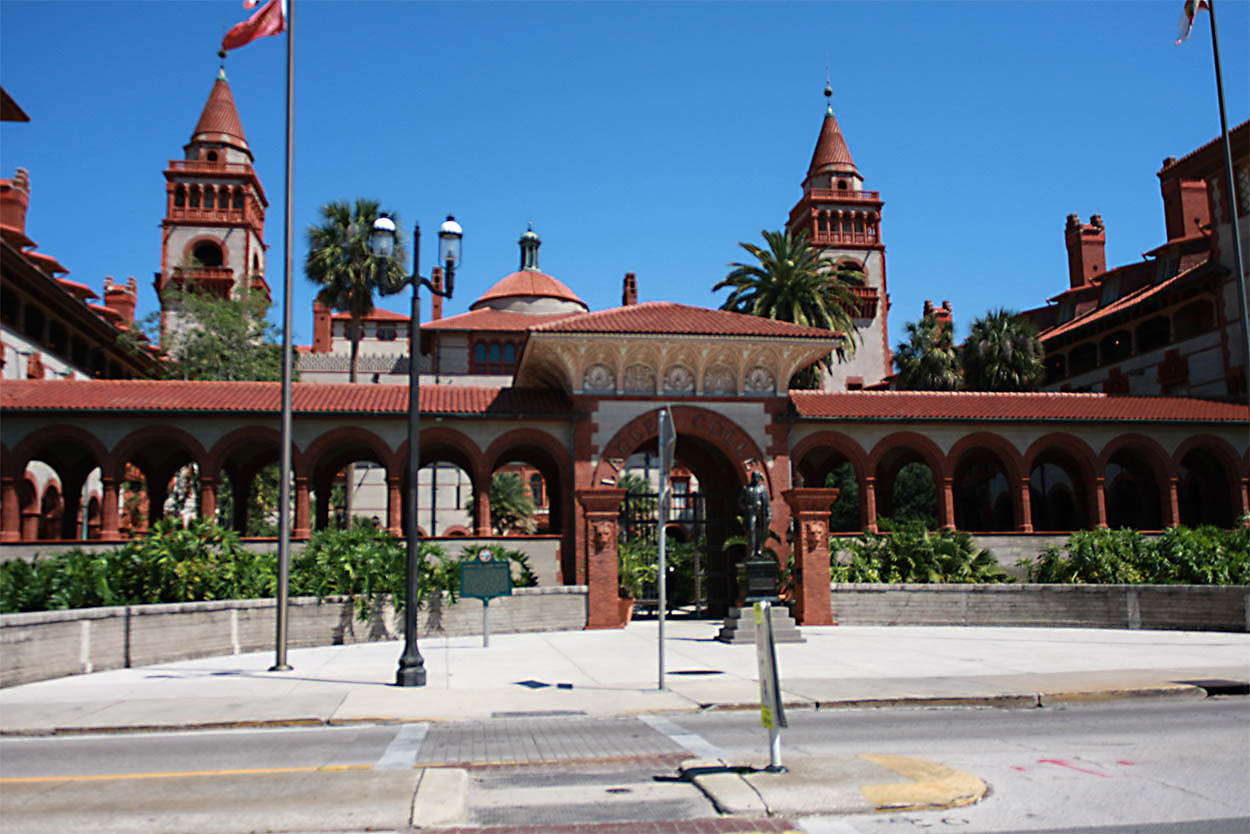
[1151, 766]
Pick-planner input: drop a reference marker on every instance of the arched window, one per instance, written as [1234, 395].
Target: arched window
[207, 254]
[1082, 358]
[1115, 346]
[180, 197]
[536, 490]
[509, 353]
[195, 196]
[238, 200]
[1153, 334]
[479, 352]
[1197, 318]
[210, 198]
[494, 353]
[212, 156]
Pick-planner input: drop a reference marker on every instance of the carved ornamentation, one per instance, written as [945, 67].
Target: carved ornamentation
[639, 379]
[719, 380]
[599, 378]
[679, 379]
[760, 380]
[815, 534]
[603, 535]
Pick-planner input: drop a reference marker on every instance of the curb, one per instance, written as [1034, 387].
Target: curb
[1037, 700]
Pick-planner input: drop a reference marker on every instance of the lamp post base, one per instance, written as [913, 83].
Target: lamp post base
[410, 676]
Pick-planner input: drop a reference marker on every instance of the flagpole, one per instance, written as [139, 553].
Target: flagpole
[284, 479]
[1231, 201]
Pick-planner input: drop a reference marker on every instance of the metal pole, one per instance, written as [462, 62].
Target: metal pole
[284, 477]
[411, 670]
[661, 583]
[485, 622]
[1231, 202]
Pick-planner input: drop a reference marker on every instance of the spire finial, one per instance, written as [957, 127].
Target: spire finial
[828, 92]
[221, 71]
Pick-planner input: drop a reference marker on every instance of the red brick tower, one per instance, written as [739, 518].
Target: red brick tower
[843, 222]
[212, 236]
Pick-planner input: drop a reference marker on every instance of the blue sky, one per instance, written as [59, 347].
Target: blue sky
[636, 137]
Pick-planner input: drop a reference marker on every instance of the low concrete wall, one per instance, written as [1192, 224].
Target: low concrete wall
[52, 644]
[1184, 607]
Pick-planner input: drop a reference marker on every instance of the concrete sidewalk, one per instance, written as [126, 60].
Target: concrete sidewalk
[614, 672]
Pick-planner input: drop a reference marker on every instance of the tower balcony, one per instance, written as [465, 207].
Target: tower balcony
[207, 166]
[824, 237]
[844, 194]
[216, 280]
[866, 302]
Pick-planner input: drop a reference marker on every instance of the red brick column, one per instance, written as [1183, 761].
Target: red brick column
[810, 507]
[946, 503]
[1172, 509]
[1025, 523]
[602, 508]
[302, 510]
[208, 497]
[10, 511]
[393, 513]
[1100, 503]
[110, 519]
[870, 504]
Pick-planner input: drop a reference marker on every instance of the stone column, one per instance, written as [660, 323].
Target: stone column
[300, 529]
[1172, 509]
[482, 499]
[602, 507]
[810, 507]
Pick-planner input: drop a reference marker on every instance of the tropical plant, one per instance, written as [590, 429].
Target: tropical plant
[844, 514]
[913, 498]
[511, 508]
[914, 554]
[340, 262]
[637, 567]
[1002, 353]
[1202, 556]
[928, 360]
[789, 283]
[220, 338]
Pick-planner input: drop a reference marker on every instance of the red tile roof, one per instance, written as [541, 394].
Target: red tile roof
[1123, 303]
[265, 398]
[488, 319]
[220, 117]
[378, 314]
[831, 149]
[528, 283]
[924, 406]
[680, 319]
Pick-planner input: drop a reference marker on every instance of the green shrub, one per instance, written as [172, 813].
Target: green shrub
[1180, 556]
[913, 553]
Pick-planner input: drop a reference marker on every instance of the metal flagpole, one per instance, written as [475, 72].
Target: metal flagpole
[1231, 201]
[667, 443]
[284, 477]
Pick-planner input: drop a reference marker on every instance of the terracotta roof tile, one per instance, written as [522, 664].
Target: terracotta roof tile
[220, 117]
[378, 314]
[682, 319]
[831, 149]
[528, 283]
[266, 397]
[488, 319]
[914, 406]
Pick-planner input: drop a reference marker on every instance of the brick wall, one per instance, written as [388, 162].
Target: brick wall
[51, 644]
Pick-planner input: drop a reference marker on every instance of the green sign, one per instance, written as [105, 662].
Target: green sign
[485, 579]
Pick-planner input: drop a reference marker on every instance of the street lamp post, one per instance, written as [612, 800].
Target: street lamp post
[411, 670]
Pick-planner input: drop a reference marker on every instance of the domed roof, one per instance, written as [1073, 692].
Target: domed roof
[528, 284]
[529, 289]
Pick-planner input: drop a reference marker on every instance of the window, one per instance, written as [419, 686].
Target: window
[212, 156]
[494, 358]
[1055, 367]
[195, 197]
[386, 332]
[180, 197]
[536, 490]
[1083, 358]
[1190, 321]
[210, 198]
[238, 199]
[1153, 334]
[207, 254]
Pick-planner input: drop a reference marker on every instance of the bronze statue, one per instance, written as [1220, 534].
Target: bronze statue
[758, 514]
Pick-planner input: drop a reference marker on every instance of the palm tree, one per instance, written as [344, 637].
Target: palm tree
[511, 508]
[928, 360]
[1003, 353]
[790, 283]
[339, 261]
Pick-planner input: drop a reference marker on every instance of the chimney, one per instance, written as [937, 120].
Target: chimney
[323, 334]
[1086, 249]
[14, 200]
[1185, 209]
[121, 299]
[629, 293]
[436, 300]
[942, 314]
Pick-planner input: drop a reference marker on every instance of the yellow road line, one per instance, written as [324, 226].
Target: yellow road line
[101, 777]
[933, 785]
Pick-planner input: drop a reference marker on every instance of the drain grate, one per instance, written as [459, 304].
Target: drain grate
[693, 672]
[538, 713]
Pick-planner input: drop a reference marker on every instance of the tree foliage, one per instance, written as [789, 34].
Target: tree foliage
[928, 360]
[1002, 353]
[1184, 556]
[913, 554]
[221, 338]
[511, 508]
[789, 283]
[340, 262]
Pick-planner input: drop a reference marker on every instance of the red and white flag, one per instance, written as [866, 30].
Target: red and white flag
[1187, 18]
[269, 19]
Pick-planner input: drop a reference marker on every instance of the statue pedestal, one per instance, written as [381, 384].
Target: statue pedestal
[739, 626]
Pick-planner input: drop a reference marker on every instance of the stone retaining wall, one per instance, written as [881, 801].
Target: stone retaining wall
[52, 644]
[1184, 607]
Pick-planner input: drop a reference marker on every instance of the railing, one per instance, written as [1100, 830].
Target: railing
[843, 237]
[207, 166]
[840, 194]
[867, 298]
[229, 215]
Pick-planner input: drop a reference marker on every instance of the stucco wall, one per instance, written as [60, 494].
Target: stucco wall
[51, 644]
[1187, 607]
